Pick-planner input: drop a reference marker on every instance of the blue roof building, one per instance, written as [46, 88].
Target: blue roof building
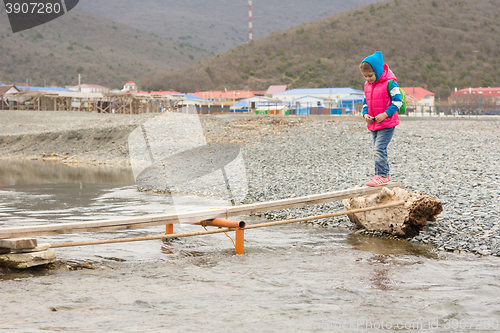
[351, 102]
[47, 89]
[187, 99]
[194, 98]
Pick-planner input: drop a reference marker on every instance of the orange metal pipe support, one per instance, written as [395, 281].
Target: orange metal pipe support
[223, 223]
[239, 245]
[239, 242]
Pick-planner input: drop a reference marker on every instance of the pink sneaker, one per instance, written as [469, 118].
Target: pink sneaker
[378, 181]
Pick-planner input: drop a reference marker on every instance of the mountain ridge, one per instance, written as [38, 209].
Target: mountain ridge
[215, 25]
[105, 52]
[441, 44]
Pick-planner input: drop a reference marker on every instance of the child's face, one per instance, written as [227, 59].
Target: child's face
[370, 77]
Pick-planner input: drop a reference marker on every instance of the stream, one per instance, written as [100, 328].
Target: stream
[292, 278]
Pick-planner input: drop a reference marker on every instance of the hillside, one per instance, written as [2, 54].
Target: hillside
[443, 44]
[103, 51]
[215, 25]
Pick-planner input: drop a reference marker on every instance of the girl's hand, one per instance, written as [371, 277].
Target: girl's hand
[368, 119]
[380, 117]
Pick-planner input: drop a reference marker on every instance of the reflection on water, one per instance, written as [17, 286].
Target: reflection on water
[37, 190]
[292, 278]
[387, 246]
[18, 173]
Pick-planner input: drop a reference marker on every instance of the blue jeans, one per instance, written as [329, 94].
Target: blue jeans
[381, 139]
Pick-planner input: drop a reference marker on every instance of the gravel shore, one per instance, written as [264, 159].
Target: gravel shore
[456, 160]
[70, 137]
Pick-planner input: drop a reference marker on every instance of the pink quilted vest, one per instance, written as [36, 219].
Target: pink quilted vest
[378, 100]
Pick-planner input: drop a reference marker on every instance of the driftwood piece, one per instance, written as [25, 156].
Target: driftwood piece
[404, 221]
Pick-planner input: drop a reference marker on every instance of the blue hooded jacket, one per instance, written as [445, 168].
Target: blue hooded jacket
[376, 60]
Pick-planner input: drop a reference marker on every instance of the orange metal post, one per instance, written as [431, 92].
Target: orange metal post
[169, 229]
[240, 241]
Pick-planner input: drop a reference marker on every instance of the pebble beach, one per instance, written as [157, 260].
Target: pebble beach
[455, 160]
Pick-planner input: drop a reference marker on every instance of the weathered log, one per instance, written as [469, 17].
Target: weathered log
[404, 221]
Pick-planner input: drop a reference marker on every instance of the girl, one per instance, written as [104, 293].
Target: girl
[380, 110]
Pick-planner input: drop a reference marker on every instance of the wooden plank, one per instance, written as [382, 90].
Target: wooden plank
[18, 243]
[113, 224]
[162, 219]
[306, 200]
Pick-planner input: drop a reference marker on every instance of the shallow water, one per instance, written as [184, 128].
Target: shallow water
[292, 278]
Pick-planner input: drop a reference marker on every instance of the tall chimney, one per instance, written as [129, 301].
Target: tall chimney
[250, 34]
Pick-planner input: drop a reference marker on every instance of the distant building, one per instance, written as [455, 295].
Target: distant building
[226, 96]
[42, 89]
[332, 95]
[130, 86]
[5, 92]
[275, 90]
[311, 101]
[252, 103]
[159, 92]
[351, 103]
[476, 99]
[8, 90]
[417, 97]
[186, 99]
[89, 88]
[485, 92]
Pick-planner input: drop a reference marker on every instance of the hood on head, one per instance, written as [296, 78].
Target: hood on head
[376, 60]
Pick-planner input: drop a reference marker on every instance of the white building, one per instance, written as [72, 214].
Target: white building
[309, 101]
[129, 86]
[417, 97]
[329, 94]
[89, 88]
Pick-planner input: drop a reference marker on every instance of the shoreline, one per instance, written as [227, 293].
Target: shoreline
[456, 161]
